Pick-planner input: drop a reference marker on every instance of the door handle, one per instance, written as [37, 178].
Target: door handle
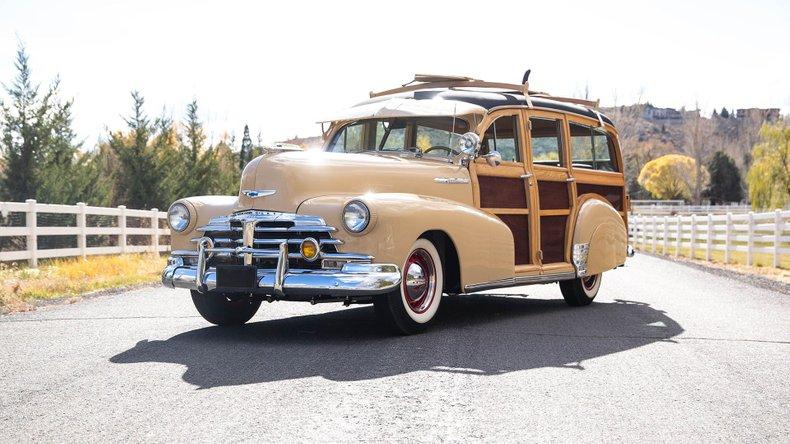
[526, 176]
[570, 179]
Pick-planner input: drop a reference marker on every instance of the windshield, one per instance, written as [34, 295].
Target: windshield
[432, 136]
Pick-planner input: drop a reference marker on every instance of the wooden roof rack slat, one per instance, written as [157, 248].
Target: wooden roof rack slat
[427, 81]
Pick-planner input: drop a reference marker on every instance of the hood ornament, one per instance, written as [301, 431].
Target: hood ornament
[254, 194]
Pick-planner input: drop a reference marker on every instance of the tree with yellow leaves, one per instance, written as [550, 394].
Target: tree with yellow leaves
[671, 177]
[769, 176]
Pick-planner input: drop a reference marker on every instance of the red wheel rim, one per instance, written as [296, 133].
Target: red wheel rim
[589, 282]
[419, 281]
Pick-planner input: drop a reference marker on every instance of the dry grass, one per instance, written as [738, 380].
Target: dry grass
[20, 287]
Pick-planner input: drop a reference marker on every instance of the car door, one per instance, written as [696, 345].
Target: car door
[503, 190]
[553, 189]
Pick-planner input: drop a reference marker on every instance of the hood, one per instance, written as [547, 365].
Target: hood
[300, 175]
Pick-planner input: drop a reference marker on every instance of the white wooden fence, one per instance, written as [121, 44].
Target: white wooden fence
[749, 233]
[673, 208]
[31, 230]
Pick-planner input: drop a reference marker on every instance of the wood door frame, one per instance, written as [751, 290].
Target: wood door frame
[552, 174]
[510, 170]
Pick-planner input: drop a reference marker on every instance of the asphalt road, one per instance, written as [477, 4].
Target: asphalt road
[667, 353]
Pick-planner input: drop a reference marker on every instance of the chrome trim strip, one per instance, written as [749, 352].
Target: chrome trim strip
[520, 280]
[451, 180]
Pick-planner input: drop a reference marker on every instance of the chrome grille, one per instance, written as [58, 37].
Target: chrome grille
[270, 229]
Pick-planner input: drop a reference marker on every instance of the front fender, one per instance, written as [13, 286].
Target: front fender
[483, 242]
[201, 210]
[601, 227]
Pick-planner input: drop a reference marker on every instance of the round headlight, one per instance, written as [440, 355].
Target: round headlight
[356, 216]
[178, 217]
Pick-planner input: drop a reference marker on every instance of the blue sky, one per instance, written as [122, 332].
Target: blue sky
[281, 66]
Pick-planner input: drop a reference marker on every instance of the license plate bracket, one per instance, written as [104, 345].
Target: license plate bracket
[237, 276]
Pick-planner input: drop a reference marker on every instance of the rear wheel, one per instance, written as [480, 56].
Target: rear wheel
[221, 309]
[581, 291]
[411, 308]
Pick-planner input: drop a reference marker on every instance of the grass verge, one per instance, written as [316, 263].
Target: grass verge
[21, 287]
[762, 262]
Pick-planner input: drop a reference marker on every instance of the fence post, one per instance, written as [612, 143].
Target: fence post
[750, 240]
[122, 226]
[666, 235]
[778, 228]
[678, 239]
[693, 236]
[81, 237]
[655, 234]
[31, 222]
[155, 230]
[709, 243]
[727, 233]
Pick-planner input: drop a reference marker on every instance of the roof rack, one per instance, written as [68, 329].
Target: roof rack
[427, 81]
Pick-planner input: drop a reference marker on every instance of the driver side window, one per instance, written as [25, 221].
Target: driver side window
[502, 136]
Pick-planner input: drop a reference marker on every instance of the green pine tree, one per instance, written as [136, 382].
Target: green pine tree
[245, 154]
[138, 178]
[41, 156]
[725, 180]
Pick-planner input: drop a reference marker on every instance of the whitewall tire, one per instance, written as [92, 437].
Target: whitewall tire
[412, 307]
[581, 291]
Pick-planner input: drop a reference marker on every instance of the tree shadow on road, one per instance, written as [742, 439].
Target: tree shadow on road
[473, 334]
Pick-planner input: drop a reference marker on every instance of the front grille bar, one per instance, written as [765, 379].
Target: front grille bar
[226, 240]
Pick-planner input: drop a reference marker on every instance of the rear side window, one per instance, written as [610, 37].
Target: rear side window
[546, 138]
[592, 148]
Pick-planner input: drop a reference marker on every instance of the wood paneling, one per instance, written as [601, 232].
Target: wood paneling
[502, 192]
[553, 195]
[612, 193]
[519, 225]
[552, 238]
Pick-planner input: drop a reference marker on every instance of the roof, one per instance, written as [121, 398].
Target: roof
[485, 100]
[389, 107]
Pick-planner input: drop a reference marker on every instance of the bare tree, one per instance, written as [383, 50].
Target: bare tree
[699, 144]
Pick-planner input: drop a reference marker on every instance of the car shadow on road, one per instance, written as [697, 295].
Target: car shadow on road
[483, 335]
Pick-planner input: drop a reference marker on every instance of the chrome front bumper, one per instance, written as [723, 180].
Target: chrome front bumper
[353, 279]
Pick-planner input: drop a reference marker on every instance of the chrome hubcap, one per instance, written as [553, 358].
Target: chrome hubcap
[419, 280]
[589, 282]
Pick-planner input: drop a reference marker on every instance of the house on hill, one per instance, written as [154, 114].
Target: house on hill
[651, 112]
[758, 114]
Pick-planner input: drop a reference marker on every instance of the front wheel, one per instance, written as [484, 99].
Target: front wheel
[581, 291]
[220, 309]
[411, 308]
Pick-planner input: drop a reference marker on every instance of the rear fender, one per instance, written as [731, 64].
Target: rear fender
[599, 237]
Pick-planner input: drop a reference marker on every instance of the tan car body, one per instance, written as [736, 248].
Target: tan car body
[410, 197]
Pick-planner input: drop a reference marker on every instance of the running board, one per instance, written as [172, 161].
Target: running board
[520, 280]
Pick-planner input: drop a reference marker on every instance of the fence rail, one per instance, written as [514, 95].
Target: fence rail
[31, 230]
[750, 233]
[672, 209]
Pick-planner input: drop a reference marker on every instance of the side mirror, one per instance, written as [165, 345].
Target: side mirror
[493, 158]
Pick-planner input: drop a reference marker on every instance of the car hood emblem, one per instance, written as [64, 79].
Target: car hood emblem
[254, 194]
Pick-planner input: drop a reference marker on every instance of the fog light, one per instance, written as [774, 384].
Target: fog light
[309, 249]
